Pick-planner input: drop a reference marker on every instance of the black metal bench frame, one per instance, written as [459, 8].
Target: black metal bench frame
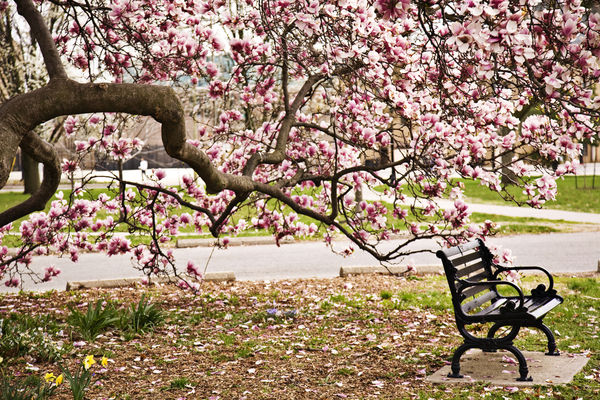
[473, 276]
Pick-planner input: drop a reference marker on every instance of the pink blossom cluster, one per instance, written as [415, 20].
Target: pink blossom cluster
[274, 219]
[194, 270]
[50, 272]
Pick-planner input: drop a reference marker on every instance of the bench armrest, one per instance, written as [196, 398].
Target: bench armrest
[541, 289]
[467, 283]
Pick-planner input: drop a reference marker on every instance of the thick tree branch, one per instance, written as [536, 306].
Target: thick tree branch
[65, 97]
[43, 152]
[42, 35]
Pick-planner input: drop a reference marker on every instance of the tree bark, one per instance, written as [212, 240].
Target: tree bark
[508, 176]
[31, 174]
[40, 151]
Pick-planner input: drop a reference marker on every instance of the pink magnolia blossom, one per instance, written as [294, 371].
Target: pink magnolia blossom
[12, 282]
[70, 125]
[50, 272]
[160, 174]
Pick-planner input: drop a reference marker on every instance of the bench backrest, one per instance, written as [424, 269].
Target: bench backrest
[472, 261]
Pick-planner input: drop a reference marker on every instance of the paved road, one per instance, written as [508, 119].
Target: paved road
[572, 252]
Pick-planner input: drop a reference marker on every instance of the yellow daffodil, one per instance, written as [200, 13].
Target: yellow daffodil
[59, 379]
[104, 361]
[49, 377]
[88, 362]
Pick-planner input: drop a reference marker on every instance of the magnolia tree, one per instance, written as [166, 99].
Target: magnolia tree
[311, 90]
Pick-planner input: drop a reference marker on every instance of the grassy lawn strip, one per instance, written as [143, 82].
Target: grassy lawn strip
[572, 195]
[569, 198]
[356, 338]
[506, 226]
[521, 225]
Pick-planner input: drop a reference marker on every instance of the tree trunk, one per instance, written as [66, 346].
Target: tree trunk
[122, 213]
[508, 176]
[31, 174]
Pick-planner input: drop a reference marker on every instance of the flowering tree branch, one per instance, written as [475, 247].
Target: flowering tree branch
[358, 115]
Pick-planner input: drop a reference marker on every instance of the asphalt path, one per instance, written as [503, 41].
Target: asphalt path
[559, 252]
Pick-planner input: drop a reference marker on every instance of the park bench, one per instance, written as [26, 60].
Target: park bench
[474, 280]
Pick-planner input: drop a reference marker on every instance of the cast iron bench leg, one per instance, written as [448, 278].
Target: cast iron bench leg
[508, 338]
[456, 359]
[523, 370]
[551, 341]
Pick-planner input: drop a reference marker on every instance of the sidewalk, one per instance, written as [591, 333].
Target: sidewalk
[528, 212]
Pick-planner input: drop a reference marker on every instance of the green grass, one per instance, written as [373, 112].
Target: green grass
[180, 383]
[572, 196]
[428, 299]
[27, 335]
[520, 225]
[10, 199]
[508, 225]
[246, 349]
[585, 286]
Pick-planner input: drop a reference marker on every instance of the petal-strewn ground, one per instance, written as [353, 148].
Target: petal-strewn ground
[358, 337]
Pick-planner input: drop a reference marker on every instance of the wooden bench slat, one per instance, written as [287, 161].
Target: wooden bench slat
[491, 308]
[479, 277]
[479, 301]
[470, 269]
[543, 310]
[534, 307]
[494, 308]
[466, 258]
[460, 249]
[472, 291]
[532, 303]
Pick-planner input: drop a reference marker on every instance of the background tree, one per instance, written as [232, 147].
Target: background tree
[21, 71]
[312, 90]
